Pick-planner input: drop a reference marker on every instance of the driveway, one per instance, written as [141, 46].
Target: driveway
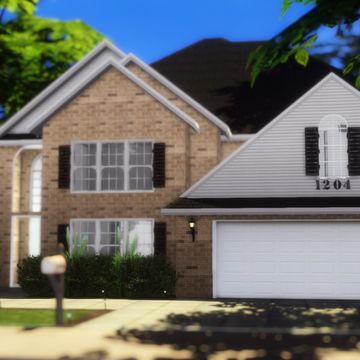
[181, 329]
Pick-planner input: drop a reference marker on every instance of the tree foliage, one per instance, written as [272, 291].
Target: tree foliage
[34, 51]
[296, 40]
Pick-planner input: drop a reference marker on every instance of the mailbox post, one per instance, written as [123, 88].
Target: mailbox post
[54, 267]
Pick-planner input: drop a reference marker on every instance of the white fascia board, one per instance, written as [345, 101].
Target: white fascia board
[76, 89]
[236, 137]
[262, 211]
[21, 142]
[173, 88]
[59, 81]
[217, 168]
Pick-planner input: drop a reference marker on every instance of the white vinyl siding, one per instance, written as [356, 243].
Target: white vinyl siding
[273, 163]
[109, 236]
[112, 166]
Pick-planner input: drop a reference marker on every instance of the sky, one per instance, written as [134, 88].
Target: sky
[153, 29]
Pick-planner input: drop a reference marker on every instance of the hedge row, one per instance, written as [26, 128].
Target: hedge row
[89, 276]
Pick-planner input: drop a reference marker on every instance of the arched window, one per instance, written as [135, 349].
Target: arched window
[333, 144]
[35, 184]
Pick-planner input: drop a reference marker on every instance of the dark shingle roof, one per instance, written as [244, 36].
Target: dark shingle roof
[213, 72]
[247, 203]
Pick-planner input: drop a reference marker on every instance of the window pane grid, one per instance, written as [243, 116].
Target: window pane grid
[114, 166]
[83, 235]
[84, 175]
[107, 237]
[140, 161]
[112, 162]
[35, 184]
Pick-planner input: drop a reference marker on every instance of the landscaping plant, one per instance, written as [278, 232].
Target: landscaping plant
[120, 276]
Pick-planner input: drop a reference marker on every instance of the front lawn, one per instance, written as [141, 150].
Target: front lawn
[40, 317]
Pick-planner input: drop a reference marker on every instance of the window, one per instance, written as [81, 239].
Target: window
[140, 166]
[333, 145]
[108, 236]
[83, 234]
[84, 167]
[34, 245]
[35, 184]
[112, 166]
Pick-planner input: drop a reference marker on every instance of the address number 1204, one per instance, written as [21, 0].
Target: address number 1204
[333, 184]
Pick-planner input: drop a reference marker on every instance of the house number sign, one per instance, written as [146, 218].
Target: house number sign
[336, 184]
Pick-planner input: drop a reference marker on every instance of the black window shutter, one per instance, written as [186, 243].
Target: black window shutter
[353, 135]
[159, 165]
[64, 166]
[312, 165]
[160, 238]
[62, 229]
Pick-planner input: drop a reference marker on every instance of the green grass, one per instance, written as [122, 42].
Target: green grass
[34, 318]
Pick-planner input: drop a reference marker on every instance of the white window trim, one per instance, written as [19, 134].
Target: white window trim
[126, 166]
[31, 184]
[98, 231]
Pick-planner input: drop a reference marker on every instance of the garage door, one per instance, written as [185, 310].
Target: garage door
[287, 260]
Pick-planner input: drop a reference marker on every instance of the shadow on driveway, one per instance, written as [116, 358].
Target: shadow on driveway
[259, 330]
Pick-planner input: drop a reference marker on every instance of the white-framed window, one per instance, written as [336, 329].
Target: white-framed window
[109, 236]
[112, 166]
[35, 184]
[333, 145]
[140, 166]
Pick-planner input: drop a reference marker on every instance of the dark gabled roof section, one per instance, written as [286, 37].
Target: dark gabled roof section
[213, 72]
[253, 203]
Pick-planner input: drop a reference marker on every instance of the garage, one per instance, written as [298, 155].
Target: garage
[292, 260]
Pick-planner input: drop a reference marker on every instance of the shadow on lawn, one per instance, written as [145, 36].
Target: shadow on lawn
[257, 330]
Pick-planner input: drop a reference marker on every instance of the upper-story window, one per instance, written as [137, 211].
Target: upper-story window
[35, 184]
[333, 147]
[112, 166]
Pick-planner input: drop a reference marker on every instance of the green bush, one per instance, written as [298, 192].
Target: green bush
[30, 278]
[119, 276]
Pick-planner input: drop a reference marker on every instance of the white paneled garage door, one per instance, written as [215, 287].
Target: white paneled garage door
[315, 260]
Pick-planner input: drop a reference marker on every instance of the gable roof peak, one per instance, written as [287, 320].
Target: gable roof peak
[331, 76]
[53, 87]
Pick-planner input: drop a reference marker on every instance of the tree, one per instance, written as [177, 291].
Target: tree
[296, 40]
[34, 51]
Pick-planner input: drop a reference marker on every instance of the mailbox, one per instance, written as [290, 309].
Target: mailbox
[53, 265]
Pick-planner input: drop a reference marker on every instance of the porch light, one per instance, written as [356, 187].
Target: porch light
[192, 226]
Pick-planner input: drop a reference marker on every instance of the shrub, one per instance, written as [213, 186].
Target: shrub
[30, 278]
[151, 277]
[130, 276]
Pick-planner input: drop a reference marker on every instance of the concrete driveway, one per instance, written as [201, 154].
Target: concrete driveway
[179, 329]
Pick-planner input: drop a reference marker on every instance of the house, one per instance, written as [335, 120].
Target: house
[113, 145]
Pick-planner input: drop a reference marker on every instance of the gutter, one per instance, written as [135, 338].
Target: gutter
[262, 211]
[20, 142]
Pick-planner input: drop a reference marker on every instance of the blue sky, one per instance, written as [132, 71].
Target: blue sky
[154, 28]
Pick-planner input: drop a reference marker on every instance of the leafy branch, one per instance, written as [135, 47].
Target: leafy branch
[296, 40]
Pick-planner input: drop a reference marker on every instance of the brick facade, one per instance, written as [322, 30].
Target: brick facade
[113, 107]
[194, 259]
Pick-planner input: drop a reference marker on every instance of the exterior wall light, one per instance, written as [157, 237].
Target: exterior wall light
[192, 227]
